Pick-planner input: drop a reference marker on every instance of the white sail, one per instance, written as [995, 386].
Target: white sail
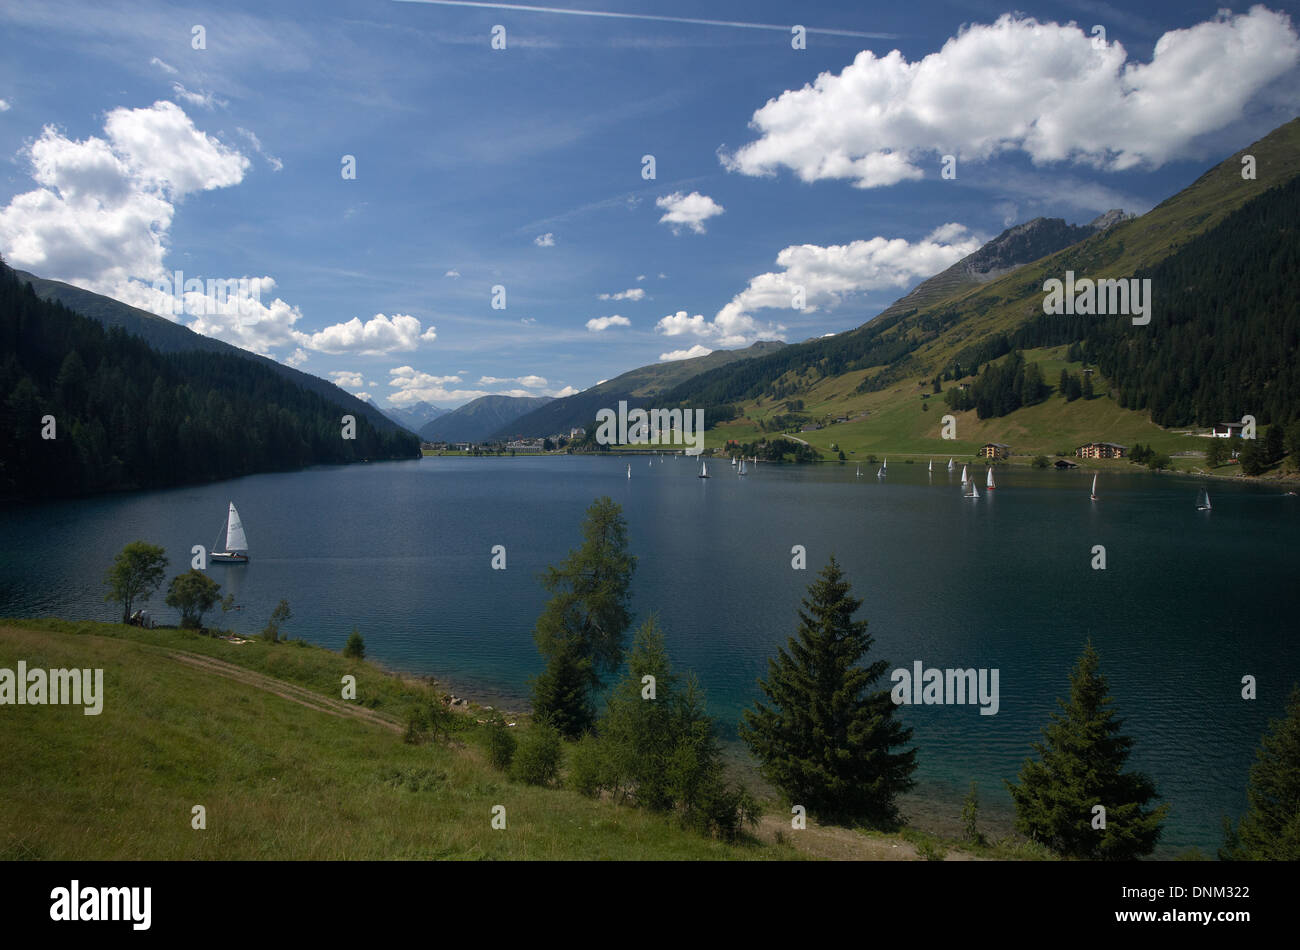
[859, 470]
[629, 470]
[1203, 502]
[964, 479]
[742, 468]
[974, 492]
[931, 468]
[989, 483]
[235, 538]
[1094, 484]
[950, 465]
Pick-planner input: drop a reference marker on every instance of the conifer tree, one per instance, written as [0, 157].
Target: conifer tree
[826, 736]
[1081, 765]
[582, 627]
[1270, 829]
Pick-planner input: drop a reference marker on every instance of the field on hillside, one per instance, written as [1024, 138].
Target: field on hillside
[902, 420]
[278, 779]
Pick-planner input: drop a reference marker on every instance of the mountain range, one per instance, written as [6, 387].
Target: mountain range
[479, 419]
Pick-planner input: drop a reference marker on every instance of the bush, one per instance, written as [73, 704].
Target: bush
[587, 769]
[537, 755]
[355, 648]
[417, 726]
[501, 745]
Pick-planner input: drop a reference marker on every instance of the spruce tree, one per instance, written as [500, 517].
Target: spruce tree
[1270, 829]
[1081, 765]
[826, 737]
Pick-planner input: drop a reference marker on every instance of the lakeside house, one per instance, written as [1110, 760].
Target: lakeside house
[577, 432]
[994, 450]
[1226, 430]
[1066, 463]
[1101, 450]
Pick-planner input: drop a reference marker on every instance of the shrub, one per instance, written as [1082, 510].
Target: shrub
[537, 754]
[587, 769]
[501, 745]
[355, 648]
[417, 726]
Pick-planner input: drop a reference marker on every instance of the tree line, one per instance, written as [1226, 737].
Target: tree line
[125, 416]
[826, 733]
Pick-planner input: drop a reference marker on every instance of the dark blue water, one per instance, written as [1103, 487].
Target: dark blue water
[1189, 603]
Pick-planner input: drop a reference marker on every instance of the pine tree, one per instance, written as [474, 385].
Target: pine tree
[825, 737]
[1270, 829]
[1080, 765]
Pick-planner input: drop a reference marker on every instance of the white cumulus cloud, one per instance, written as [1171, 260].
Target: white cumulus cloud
[696, 350]
[545, 240]
[596, 324]
[1017, 84]
[347, 379]
[687, 211]
[375, 337]
[824, 276]
[633, 293]
[103, 206]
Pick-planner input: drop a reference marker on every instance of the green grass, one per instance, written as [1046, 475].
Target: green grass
[278, 779]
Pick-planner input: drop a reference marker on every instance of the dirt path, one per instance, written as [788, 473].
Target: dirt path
[289, 691]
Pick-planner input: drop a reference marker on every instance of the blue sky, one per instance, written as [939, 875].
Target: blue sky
[130, 154]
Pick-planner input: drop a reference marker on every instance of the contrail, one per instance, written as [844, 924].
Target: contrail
[784, 28]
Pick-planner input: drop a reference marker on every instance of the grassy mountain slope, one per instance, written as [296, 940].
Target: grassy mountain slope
[884, 366]
[637, 386]
[480, 419]
[279, 775]
[167, 337]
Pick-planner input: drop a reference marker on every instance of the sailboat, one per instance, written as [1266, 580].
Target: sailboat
[950, 465]
[1094, 486]
[704, 469]
[733, 461]
[859, 470]
[235, 550]
[882, 473]
[1203, 501]
[931, 468]
[629, 470]
[989, 484]
[973, 492]
[964, 479]
[742, 468]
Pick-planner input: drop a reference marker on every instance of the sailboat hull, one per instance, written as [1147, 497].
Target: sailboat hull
[226, 557]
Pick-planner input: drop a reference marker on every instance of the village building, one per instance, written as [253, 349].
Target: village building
[1101, 450]
[994, 450]
[1226, 430]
